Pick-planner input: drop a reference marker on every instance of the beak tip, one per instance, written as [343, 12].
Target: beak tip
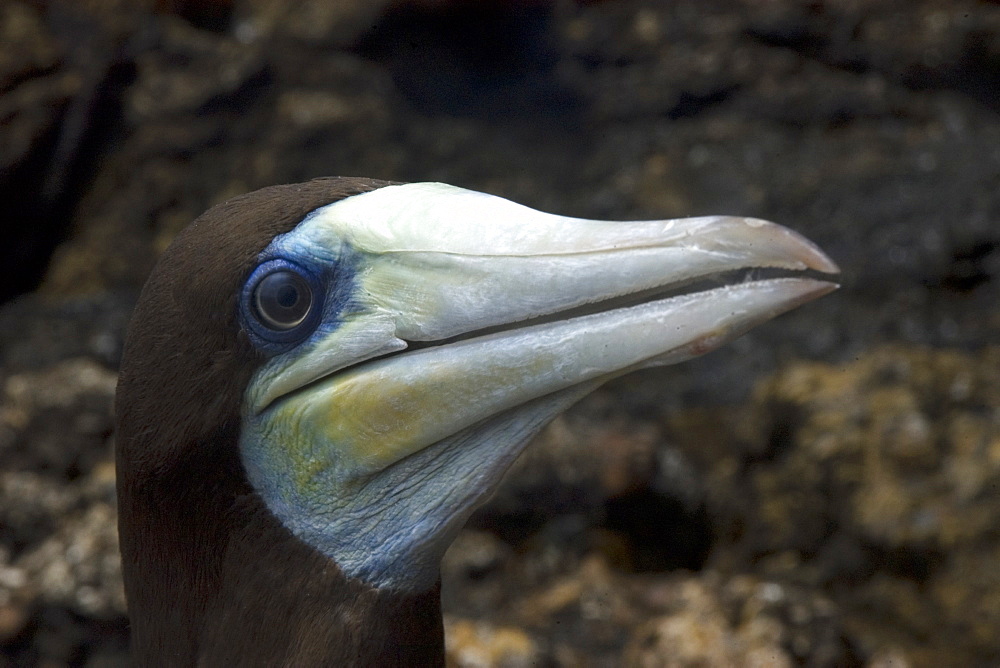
[822, 263]
[813, 257]
[817, 288]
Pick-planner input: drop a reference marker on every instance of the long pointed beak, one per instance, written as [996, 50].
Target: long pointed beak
[453, 260]
[535, 302]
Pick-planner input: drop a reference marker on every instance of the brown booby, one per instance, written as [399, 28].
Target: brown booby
[322, 381]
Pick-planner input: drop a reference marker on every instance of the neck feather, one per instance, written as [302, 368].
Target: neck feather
[212, 578]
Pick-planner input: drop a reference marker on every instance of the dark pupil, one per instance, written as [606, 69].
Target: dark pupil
[288, 295]
[282, 300]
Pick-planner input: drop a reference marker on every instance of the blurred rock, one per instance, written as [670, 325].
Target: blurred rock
[38, 333]
[63, 67]
[700, 634]
[579, 461]
[337, 24]
[78, 567]
[479, 644]
[591, 614]
[58, 530]
[58, 421]
[904, 442]
[875, 480]
[599, 479]
[27, 53]
[215, 69]
[843, 515]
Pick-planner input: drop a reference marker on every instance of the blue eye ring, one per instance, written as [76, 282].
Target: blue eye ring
[281, 304]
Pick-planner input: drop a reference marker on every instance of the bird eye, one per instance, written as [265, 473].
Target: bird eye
[282, 300]
[281, 304]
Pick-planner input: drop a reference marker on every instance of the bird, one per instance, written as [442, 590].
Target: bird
[321, 381]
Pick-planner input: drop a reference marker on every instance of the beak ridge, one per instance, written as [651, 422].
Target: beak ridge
[447, 261]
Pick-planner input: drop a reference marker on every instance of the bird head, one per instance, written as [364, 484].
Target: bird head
[381, 353]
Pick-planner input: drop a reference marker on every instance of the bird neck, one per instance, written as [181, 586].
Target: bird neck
[212, 578]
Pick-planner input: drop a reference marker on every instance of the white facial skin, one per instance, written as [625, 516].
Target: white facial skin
[377, 463]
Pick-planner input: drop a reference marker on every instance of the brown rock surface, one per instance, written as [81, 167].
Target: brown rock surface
[841, 513]
[878, 482]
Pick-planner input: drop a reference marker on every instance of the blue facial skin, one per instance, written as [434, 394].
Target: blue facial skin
[388, 529]
[330, 274]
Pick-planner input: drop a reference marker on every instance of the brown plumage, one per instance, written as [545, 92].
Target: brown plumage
[305, 420]
[211, 576]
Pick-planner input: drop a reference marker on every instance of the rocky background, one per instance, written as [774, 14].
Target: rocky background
[823, 492]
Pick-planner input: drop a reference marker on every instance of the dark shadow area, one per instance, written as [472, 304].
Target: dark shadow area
[211, 15]
[834, 40]
[41, 192]
[690, 105]
[971, 266]
[662, 533]
[66, 635]
[782, 418]
[852, 562]
[490, 59]
[976, 74]
[512, 528]
[906, 562]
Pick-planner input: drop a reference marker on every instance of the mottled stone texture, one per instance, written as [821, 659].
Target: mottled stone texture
[822, 492]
